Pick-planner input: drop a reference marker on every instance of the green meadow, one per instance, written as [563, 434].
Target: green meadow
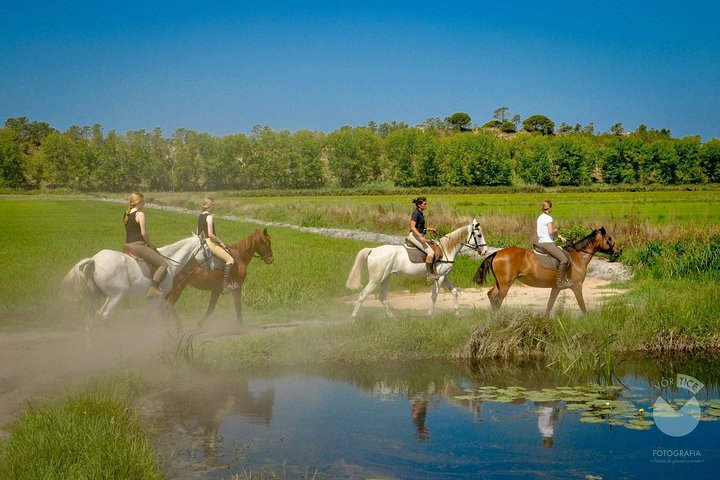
[671, 239]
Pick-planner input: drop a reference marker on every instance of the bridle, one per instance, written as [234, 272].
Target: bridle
[476, 245]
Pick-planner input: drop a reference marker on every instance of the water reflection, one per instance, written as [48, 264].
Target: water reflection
[548, 414]
[424, 420]
[198, 406]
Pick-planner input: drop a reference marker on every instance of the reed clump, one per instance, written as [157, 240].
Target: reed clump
[509, 335]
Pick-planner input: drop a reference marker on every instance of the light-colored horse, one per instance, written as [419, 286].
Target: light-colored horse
[112, 275]
[385, 260]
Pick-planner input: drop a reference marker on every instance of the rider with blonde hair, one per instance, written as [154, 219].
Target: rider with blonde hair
[206, 226]
[138, 242]
[417, 234]
[546, 233]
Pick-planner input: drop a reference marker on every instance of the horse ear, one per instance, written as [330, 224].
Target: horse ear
[602, 231]
[265, 231]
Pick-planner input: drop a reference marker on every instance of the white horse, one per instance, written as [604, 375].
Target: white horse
[385, 260]
[113, 275]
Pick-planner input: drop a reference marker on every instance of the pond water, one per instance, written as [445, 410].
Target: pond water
[431, 420]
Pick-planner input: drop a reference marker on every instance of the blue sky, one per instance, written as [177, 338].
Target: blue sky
[223, 67]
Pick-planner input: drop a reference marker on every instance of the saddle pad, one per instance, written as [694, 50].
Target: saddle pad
[145, 268]
[546, 261]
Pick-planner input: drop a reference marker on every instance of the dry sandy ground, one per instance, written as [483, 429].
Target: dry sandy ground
[595, 292]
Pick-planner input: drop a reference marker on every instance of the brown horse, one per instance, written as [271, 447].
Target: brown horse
[257, 244]
[514, 263]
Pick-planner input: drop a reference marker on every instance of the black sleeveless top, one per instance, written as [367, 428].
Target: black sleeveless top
[202, 226]
[132, 229]
[419, 218]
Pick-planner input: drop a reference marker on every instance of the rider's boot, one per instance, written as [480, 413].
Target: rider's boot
[562, 281]
[431, 275]
[154, 289]
[228, 283]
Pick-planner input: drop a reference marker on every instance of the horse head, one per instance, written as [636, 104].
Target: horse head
[262, 246]
[604, 243]
[476, 238]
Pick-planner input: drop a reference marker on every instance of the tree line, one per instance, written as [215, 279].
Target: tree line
[437, 153]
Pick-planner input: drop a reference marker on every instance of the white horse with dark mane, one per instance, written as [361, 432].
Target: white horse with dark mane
[113, 275]
[386, 260]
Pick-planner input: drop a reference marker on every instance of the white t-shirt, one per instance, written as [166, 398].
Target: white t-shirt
[542, 228]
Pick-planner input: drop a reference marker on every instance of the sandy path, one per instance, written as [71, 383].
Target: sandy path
[595, 291]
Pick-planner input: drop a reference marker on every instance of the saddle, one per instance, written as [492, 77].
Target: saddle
[548, 261]
[415, 255]
[212, 263]
[147, 269]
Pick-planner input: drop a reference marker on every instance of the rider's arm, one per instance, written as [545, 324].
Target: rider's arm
[554, 231]
[211, 231]
[413, 228]
[140, 218]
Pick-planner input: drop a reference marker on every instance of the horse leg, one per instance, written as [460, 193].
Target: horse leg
[237, 299]
[384, 287]
[433, 297]
[579, 296]
[455, 293]
[363, 295]
[553, 296]
[497, 295]
[170, 302]
[211, 307]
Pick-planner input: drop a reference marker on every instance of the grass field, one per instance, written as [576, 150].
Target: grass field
[671, 306]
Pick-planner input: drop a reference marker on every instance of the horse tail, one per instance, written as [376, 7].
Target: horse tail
[78, 279]
[485, 267]
[354, 280]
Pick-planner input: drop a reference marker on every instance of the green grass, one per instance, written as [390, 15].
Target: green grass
[671, 305]
[93, 435]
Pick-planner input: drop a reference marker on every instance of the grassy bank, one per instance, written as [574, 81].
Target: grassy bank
[92, 435]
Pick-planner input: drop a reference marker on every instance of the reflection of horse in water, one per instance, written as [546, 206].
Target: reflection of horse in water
[201, 407]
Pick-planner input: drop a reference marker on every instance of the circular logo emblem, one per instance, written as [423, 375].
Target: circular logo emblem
[680, 422]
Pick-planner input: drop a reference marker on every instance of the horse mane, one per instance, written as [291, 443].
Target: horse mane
[581, 244]
[169, 250]
[246, 243]
[455, 237]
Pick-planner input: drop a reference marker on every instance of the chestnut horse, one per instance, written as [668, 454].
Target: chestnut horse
[514, 263]
[257, 244]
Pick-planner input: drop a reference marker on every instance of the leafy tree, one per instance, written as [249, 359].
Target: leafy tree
[539, 123]
[622, 160]
[434, 123]
[353, 156]
[688, 152]
[29, 135]
[500, 114]
[11, 161]
[573, 160]
[68, 160]
[234, 153]
[411, 156]
[460, 120]
[492, 124]
[308, 146]
[617, 129]
[710, 160]
[508, 127]
[660, 162]
[475, 160]
[534, 164]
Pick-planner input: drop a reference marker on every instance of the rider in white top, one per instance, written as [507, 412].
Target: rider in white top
[546, 233]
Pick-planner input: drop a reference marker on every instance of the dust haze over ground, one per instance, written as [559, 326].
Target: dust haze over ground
[39, 365]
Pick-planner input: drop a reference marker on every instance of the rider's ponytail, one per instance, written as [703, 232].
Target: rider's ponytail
[133, 201]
